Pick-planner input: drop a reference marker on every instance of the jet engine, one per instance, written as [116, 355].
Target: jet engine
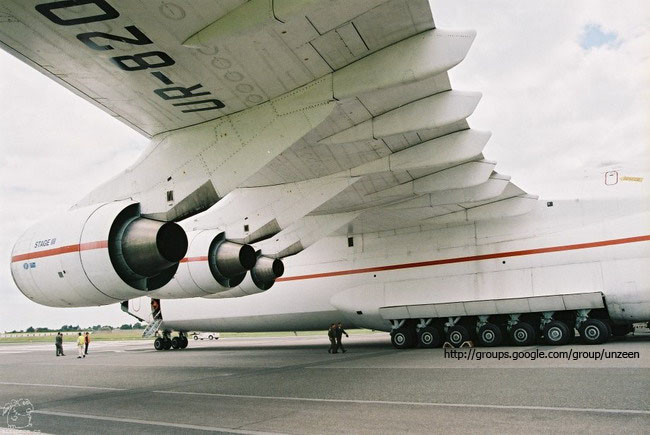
[213, 265]
[96, 255]
[261, 278]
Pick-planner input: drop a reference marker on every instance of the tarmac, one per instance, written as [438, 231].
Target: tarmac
[292, 385]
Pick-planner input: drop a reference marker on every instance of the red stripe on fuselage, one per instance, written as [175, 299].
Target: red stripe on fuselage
[60, 250]
[470, 258]
[190, 259]
[104, 244]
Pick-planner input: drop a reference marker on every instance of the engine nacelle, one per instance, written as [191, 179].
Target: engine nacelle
[212, 265]
[261, 278]
[96, 255]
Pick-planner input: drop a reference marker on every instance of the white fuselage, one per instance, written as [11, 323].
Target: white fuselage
[565, 248]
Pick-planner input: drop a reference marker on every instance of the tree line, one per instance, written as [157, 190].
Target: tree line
[74, 328]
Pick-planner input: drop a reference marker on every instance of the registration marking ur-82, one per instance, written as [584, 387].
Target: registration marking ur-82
[146, 60]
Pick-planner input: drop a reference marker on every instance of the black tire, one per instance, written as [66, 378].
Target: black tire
[523, 334]
[158, 343]
[457, 335]
[594, 331]
[489, 335]
[621, 330]
[402, 338]
[167, 343]
[429, 337]
[184, 342]
[176, 343]
[556, 333]
[610, 330]
[196, 337]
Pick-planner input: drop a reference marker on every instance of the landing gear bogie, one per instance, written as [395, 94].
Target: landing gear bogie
[556, 333]
[429, 337]
[489, 335]
[402, 338]
[594, 331]
[457, 335]
[166, 342]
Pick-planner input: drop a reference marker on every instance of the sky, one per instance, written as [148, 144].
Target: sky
[566, 96]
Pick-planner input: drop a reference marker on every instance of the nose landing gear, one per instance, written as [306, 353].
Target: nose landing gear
[166, 342]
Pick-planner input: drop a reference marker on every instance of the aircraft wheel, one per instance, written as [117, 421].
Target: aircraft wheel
[522, 334]
[457, 335]
[176, 343]
[158, 344]
[556, 333]
[184, 342]
[621, 330]
[429, 337]
[594, 331]
[610, 329]
[401, 338]
[210, 337]
[489, 335]
[196, 337]
[167, 343]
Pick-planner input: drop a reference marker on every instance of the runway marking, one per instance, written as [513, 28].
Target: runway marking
[432, 404]
[147, 422]
[23, 384]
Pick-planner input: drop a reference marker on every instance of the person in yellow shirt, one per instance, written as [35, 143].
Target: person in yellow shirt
[81, 343]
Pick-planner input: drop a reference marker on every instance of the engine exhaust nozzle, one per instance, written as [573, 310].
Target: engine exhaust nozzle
[266, 271]
[151, 246]
[233, 259]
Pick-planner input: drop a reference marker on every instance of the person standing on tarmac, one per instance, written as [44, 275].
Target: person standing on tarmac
[86, 342]
[59, 344]
[81, 343]
[331, 333]
[339, 335]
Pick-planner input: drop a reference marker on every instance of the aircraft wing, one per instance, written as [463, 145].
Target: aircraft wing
[161, 66]
[286, 120]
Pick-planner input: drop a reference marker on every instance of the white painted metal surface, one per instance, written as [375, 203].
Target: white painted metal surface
[326, 135]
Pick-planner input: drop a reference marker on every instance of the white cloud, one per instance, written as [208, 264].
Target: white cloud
[558, 112]
[55, 148]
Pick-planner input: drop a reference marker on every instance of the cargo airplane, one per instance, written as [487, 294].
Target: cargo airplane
[310, 162]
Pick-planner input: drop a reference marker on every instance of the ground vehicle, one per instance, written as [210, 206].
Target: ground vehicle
[205, 336]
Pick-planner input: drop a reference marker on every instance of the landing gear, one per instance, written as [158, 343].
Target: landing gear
[556, 333]
[166, 342]
[429, 337]
[593, 331]
[621, 330]
[184, 341]
[402, 338]
[554, 328]
[489, 335]
[522, 334]
[457, 335]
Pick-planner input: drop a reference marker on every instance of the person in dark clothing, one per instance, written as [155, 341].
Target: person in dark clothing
[59, 344]
[87, 341]
[331, 333]
[339, 334]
